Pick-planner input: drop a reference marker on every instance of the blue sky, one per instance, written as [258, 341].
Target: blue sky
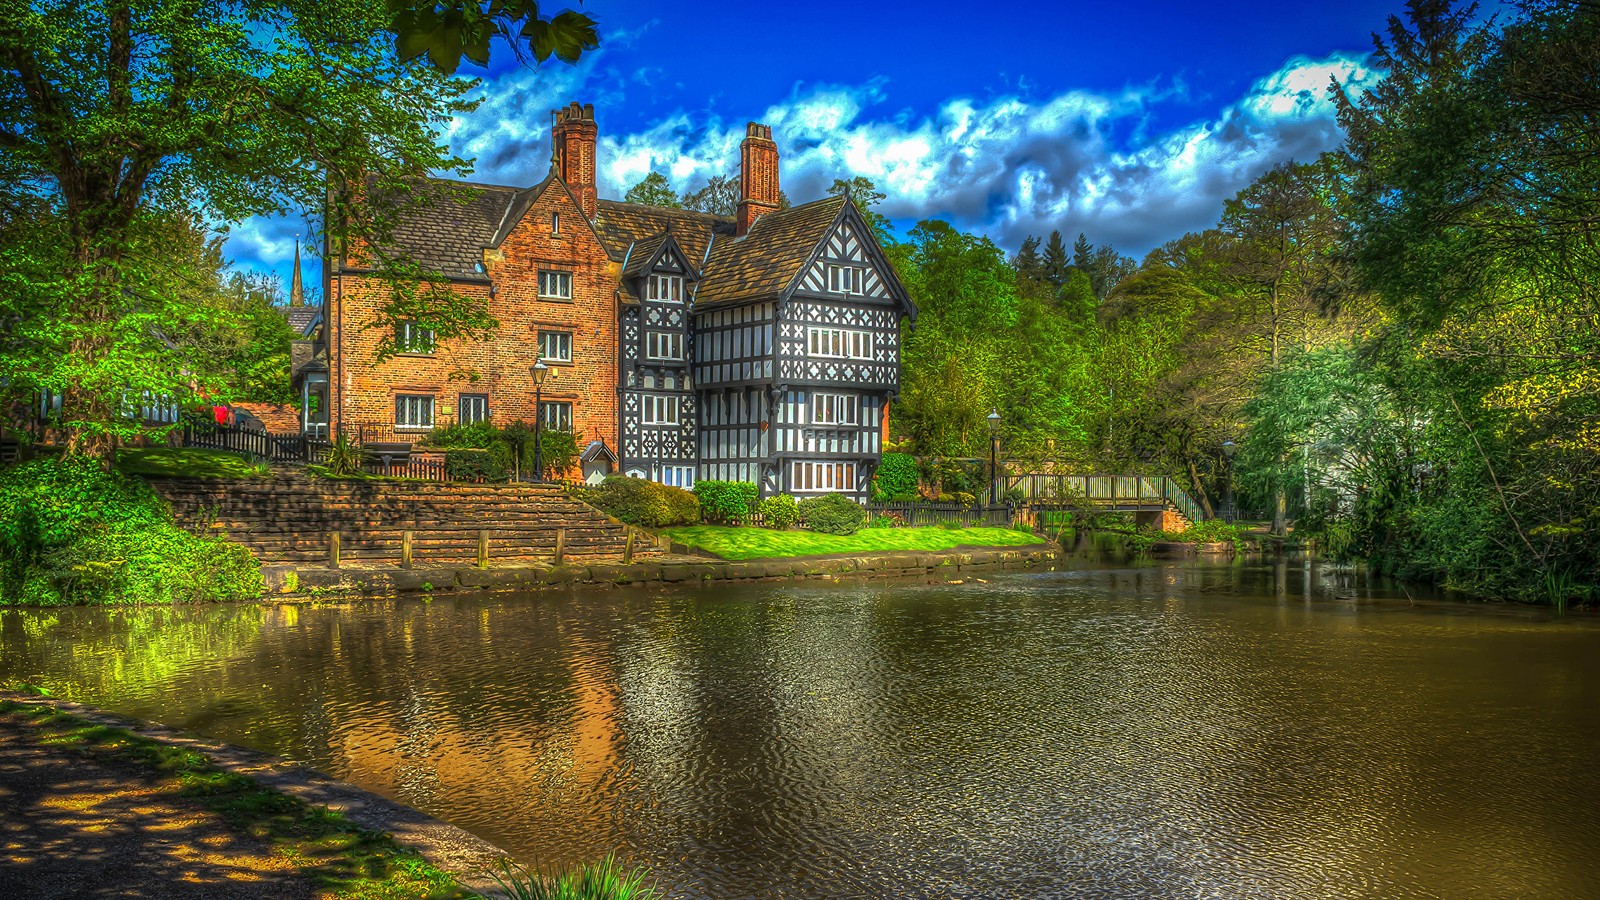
[1130, 122]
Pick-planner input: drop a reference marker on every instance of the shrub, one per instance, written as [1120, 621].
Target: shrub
[343, 458]
[643, 503]
[885, 520]
[558, 450]
[780, 511]
[896, 479]
[474, 464]
[725, 501]
[71, 532]
[833, 514]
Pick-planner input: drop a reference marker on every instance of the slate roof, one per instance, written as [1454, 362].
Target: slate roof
[765, 261]
[299, 317]
[620, 224]
[453, 222]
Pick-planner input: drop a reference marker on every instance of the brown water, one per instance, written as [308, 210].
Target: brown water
[1167, 730]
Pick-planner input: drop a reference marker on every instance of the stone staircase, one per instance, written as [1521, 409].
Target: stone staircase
[288, 519]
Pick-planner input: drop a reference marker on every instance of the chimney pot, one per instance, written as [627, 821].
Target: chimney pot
[573, 138]
[758, 176]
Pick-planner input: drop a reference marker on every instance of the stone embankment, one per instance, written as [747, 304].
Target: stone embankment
[293, 582]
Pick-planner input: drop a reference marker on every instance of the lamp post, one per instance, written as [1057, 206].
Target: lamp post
[1228, 449]
[994, 444]
[540, 370]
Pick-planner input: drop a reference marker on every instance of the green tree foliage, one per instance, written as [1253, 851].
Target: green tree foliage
[719, 197]
[1056, 264]
[119, 118]
[448, 31]
[896, 479]
[653, 190]
[867, 198]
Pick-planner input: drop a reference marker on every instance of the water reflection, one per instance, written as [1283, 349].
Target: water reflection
[1120, 728]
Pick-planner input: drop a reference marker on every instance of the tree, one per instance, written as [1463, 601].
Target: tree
[1082, 252]
[119, 117]
[866, 196]
[1055, 260]
[448, 31]
[653, 190]
[719, 197]
[1028, 263]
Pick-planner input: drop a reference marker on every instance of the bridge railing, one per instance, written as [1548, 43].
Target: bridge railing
[1152, 490]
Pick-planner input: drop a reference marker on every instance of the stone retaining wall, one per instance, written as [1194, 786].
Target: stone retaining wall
[289, 583]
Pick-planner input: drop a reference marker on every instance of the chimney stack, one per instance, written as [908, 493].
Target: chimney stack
[758, 175]
[572, 139]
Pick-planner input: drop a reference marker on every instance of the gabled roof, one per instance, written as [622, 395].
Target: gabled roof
[451, 223]
[623, 224]
[764, 263]
[301, 317]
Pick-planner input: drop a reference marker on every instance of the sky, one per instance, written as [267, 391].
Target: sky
[1129, 122]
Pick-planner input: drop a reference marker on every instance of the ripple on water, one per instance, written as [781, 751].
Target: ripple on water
[1177, 730]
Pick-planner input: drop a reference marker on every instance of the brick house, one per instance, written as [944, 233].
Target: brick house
[761, 347]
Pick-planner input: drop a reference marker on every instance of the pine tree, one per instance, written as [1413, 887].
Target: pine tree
[1055, 260]
[1082, 252]
[1028, 263]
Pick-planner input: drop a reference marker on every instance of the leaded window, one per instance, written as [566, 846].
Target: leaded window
[555, 285]
[413, 411]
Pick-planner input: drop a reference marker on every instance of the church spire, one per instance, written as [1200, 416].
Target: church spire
[297, 290]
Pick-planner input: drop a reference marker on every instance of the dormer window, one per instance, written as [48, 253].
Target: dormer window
[846, 279]
[665, 288]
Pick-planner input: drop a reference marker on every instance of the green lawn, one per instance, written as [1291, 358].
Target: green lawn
[763, 543]
[167, 462]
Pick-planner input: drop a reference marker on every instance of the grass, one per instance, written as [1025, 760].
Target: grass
[169, 462]
[762, 543]
[342, 860]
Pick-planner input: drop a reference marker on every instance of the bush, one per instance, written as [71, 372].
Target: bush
[558, 449]
[474, 464]
[725, 501]
[896, 479]
[642, 503]
[780, 511]
[833, 514]
[71, 532]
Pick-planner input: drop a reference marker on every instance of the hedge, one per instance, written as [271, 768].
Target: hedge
[833, 514]
[725, 501]
[896, 479]
[642, 503]
[779, 511]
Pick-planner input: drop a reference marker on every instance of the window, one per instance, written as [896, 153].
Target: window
[555, 415]
[412, 411]
[555, 223]
[839, 343]
[817, 477]
[555, 346]
[662, 345]
[555, 285]
[678, 476]
[660, 410]
[845, 279]
[409, 337]
[473, 408]
[668, 288]
[835, 409]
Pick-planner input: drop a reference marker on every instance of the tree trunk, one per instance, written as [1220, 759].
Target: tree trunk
[1280, 513]
[1199, 490]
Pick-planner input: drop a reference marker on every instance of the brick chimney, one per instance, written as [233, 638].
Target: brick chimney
[758, 175]
[572, 139]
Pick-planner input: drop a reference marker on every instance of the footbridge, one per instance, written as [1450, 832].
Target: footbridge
[1150, 495]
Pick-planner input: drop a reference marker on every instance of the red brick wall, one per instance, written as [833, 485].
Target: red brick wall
[364, 391]
[276, 416]
[758, 175]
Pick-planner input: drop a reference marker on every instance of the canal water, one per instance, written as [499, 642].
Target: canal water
[1175, 729]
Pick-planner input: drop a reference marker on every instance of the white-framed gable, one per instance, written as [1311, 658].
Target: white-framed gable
[848, 264]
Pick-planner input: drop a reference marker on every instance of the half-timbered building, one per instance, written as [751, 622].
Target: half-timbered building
[762, 347]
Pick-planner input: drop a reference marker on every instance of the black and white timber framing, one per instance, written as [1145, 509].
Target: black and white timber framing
[657, 405]
[785, 385]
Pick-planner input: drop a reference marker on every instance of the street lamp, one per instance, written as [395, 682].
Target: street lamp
[1228, 449]
[540, 371]
[994, 444]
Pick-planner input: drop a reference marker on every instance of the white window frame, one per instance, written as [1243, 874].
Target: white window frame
[557, 339]
[664, 288]
[677, 476]
[843, 279]
[413, 412]
[555, 415]
[835, 409]
[660, 410]
[555, 285]
[463, 401]
[809, 476]
[839, 343]
[409, 337]
[656, 341]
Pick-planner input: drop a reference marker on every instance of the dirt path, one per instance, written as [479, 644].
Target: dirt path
[72, 825]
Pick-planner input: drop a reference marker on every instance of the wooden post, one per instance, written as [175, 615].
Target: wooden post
[333, 549]
[405, 548]
[483, 548]
[561, 544]
[627, 549]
